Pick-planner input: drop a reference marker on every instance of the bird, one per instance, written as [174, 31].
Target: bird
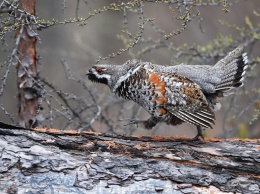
[174, 94]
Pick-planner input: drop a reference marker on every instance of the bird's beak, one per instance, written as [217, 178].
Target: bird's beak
[88, 73]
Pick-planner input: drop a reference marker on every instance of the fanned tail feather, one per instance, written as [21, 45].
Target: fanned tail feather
[234, 69]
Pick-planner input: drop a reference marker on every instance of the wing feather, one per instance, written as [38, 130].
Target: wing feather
[187, 101]
[195, 118]
[187, 117]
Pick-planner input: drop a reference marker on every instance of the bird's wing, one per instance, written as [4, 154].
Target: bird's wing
[186, 100]
[203, 75]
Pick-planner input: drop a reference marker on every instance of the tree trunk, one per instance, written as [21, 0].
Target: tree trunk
[55, 161]
[26, 68]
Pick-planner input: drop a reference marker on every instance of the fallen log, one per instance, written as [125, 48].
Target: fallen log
[56, 161]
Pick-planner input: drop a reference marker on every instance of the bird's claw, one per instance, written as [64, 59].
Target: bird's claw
[131, 122]
[196, 138]
[199, 134]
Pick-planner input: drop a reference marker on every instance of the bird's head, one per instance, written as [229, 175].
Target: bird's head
[101, 74]
[110, 74]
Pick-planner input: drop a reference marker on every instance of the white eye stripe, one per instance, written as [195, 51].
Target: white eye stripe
[107, 76]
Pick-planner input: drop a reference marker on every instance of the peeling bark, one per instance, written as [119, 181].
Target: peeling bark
[27, 69]
[52, 161]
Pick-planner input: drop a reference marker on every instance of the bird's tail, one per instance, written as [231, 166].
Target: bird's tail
[233, 69]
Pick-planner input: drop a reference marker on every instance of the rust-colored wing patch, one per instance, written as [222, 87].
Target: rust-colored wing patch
[158, 88]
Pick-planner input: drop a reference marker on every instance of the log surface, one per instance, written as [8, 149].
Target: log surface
[55, 161]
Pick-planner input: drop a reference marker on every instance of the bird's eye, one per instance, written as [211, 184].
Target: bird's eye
[99, 69]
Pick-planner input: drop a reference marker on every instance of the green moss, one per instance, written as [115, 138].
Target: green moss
[242, 131]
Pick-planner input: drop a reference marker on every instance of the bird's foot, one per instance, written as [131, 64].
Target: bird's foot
[199, 134]
[147, 124]
[132, 122]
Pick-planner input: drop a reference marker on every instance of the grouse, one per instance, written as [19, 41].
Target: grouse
[174, 94]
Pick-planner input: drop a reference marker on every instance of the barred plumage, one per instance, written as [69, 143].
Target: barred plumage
[174, 94]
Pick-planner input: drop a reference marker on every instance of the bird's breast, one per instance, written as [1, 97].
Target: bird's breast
[148, 90]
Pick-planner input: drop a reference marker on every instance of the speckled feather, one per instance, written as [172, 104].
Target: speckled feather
[167, 96]
[174, 94]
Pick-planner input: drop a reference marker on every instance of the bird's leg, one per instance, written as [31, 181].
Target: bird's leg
[148, 124]
[199, 134]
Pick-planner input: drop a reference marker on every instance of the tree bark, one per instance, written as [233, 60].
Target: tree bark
[55, 161]
[26, 68]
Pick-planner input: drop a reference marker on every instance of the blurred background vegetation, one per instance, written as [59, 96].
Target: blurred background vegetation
[73, 35]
